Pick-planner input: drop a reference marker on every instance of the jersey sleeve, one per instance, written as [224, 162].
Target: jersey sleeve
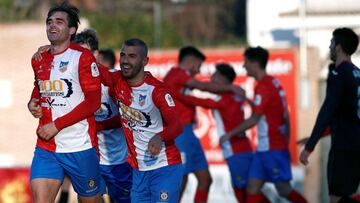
[89, 74]
[195, 101]
[334, 91]
[83, 110]
[164, 102]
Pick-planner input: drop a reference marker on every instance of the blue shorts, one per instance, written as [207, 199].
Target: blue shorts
[118, 179]
[158, 185]
[271, 166]
[192, 153]
[81, 167]
[239, 166]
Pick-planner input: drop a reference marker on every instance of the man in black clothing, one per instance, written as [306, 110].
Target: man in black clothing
[340, 111]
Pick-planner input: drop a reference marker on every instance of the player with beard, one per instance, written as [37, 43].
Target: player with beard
[340, 111]
[150, 124]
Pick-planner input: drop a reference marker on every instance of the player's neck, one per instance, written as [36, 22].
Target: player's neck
[137, 80]
[260, 75]
[58, 48]
[342, 58]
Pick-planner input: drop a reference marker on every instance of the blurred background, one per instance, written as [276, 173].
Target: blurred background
[296, 32]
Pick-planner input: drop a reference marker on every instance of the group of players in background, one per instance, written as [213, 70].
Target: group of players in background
[130, 135]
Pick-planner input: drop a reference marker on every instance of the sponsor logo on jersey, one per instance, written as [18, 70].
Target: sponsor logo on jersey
[63, 66]
[142, 99]
[104, 112]
[134, 117]
[94, 70]
[55, 88]
[164, 195]
[334, 72]
[169, 100]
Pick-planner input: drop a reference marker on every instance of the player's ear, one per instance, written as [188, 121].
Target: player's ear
[72, 30]
[145, 61]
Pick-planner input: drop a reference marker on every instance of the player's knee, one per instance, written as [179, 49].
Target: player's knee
[205, 182]
[283, 189]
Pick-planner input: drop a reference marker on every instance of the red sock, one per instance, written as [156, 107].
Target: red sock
[255, 198]
[296, 197]
[240, 195]
[201, 196]
[264, 199]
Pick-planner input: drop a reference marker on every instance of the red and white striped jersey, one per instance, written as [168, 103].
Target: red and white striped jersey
[112, 143]
[149, 111]
[270, 102]
[228, 114]
[60, 82]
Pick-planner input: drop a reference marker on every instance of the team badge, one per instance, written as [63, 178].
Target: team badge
[63, 66]
[91, 183]
[94, 70]
[164, 196]
[142, 99]
[169, 100]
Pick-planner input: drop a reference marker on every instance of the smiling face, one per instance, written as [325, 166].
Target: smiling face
[57, 28]
[132, 62]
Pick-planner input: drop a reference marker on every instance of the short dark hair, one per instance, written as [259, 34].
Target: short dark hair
[108, 55]
[72, 12]
[89, 37]
[226, 70]
[190, 51]
[257, 54]
[347, 39]
[139, 43]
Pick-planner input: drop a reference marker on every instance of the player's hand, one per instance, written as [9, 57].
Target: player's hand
[304, 156]
[37, 56]
[238, 90]
[224, 138]
[302, 141]
[48, 131]
[34, 108]
[154, 146]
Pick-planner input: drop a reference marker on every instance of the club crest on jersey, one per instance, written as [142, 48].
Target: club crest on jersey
[63, 66]
[169, 100]
[142, 99]
[94, 70]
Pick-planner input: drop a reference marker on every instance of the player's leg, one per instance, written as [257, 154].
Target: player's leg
[165, 184]
[46, 176]
[140, 191]
[44, 189]
[84, 172]
[204, 181]
[194, 161]
[239, 165]
[256, 180]
[64, 192]
[183, 185]
[278, 167]
[343, 174]
[197, 164]
[118, 181]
